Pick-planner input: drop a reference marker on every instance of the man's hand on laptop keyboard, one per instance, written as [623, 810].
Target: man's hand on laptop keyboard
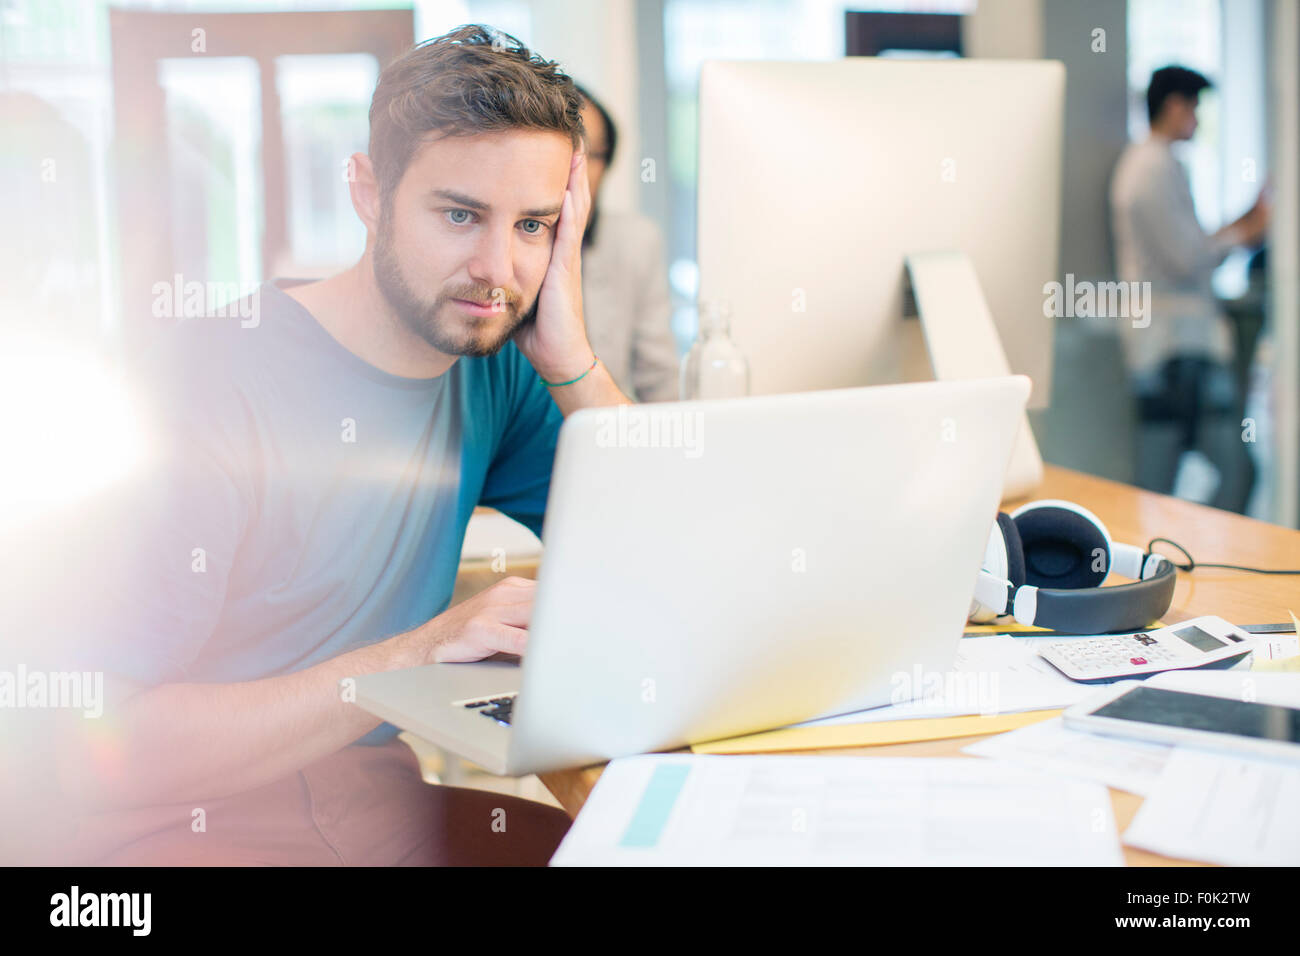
[493, 621]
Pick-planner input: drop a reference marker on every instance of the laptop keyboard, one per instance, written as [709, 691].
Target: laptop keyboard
[497, 708]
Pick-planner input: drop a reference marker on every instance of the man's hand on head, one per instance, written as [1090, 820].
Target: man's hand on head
[556, 342]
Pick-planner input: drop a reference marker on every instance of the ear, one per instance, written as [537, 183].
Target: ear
[364, 189]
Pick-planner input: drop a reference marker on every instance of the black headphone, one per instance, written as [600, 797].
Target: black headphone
[1045, 564]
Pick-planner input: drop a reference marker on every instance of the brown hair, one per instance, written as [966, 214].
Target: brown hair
[472, 80]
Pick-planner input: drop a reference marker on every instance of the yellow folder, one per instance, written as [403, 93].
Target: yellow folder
[873, 734]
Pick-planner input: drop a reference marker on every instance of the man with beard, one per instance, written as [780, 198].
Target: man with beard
[315, 474]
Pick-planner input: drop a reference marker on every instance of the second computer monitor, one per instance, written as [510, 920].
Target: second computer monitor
[817, 179]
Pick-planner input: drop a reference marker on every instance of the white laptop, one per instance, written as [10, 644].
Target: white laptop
[721, 567]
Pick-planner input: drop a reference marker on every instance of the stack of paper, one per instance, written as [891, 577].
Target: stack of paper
[1132, 765]
[674, 810]
[1219, 807]
[1237, 811]
[1277, 652]
[1201, 805]
[995, 675]
[1000, 678]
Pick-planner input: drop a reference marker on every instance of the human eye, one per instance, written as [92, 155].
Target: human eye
[533, 227]
[459, 217]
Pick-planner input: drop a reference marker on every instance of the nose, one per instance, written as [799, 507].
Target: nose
[492, 263]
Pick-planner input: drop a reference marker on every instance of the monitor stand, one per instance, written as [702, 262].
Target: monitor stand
[963, 343]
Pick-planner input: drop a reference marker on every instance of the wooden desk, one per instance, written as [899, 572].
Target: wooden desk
[1133, 517]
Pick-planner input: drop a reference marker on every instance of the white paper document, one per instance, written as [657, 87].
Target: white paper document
[992, 675]
[1276, 647]
[690, 810]
[1238, 811]
[1000, 674]
[1132, 765]
[1261, 687]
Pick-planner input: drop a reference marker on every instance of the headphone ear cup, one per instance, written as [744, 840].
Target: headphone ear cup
[1061, 547]
[1015, 550]
[1004, 560]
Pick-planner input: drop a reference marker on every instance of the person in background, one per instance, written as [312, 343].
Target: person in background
[1181, 363]
[624, 281]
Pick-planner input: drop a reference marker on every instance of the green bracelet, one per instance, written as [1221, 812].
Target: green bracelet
[570, 381]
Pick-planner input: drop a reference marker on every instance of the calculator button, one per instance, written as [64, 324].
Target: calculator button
[1137, 660]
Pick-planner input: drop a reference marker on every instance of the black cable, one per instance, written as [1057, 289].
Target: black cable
[1192, 565]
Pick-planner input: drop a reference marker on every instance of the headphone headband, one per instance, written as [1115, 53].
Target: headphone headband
[1098, 610]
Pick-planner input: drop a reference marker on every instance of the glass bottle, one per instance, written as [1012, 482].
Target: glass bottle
[714, 367]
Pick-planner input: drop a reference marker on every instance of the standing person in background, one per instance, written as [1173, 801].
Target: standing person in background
[1180, 364]
[624, 281]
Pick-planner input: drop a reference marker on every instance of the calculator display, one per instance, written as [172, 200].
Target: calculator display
[1199, 639]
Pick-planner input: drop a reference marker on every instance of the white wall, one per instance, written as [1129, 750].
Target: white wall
[1284, 257]
[1242, 88]
[595, 42]
[1096, 124]
[1004, 30]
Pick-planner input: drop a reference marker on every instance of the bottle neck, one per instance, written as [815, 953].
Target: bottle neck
[715, 324]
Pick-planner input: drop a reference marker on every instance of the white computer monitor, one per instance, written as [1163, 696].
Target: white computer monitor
[816, 180]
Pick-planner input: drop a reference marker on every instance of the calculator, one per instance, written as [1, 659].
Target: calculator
[1201, 642]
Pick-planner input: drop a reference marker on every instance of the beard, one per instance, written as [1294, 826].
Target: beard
[437, 322]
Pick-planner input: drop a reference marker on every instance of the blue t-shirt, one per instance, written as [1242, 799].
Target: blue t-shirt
[302, 503]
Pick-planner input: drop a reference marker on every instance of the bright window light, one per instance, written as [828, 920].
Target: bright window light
[71, 431]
